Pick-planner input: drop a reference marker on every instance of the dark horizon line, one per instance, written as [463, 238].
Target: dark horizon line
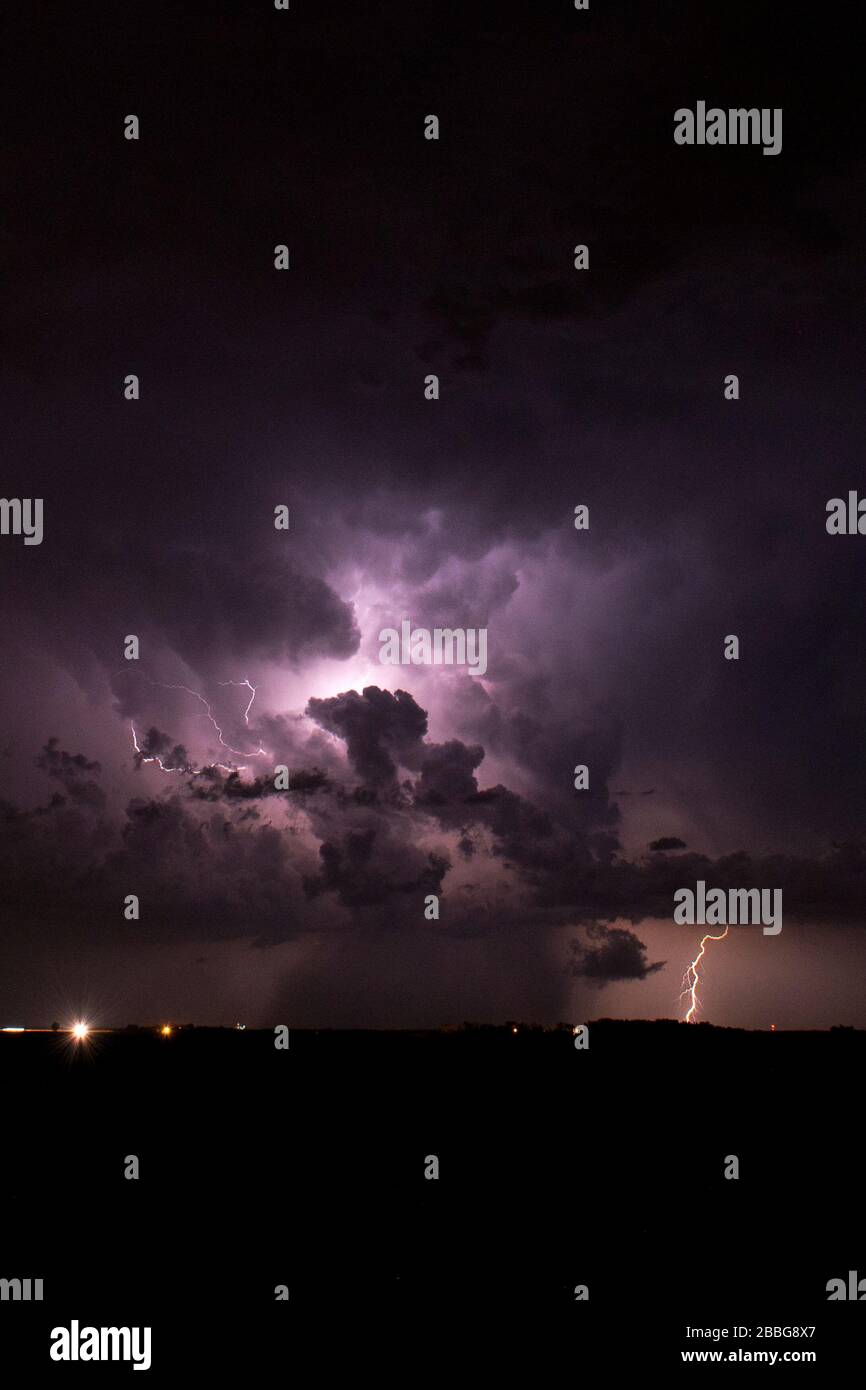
[445, 1029]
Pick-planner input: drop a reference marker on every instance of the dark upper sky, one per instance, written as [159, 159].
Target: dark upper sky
[306, 387]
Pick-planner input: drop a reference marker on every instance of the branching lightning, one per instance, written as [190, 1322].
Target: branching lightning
[153, 758]
[259, 752]
[190, 771]
[253, 688]
[691, 977]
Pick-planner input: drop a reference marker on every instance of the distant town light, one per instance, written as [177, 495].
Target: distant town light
[13, 1030]
[165, 1030]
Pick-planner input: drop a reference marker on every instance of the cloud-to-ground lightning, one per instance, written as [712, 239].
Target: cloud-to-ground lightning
[691, 977]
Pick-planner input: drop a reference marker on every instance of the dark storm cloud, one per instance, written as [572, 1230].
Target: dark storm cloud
[448, 790]
[71, 771]
[153, 744]
[214, 784]
[368, 851]
[558, 386]
[643, 216]
[828, 888]
[380, 730]
[619, 956]
[448, 778]
[363, 871]
[67, 871]
[208, 607]
[217, 871]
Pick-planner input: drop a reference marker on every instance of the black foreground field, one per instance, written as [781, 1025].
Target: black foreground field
[558, 1168]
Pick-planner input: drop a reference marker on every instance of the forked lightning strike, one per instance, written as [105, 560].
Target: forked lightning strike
[691, 977]
[190, 771]
[253, 688]
[259, 752]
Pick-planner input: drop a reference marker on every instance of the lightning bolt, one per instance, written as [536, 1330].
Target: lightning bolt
[691, 977]
[259, 752]
[253, 688]
[154, 759]
[190, 771]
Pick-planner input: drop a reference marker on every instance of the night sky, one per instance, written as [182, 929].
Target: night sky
[305, 388]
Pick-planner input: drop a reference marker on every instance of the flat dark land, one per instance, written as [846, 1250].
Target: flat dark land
[558, 1167]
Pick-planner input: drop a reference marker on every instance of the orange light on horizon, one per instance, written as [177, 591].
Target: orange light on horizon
[80, 1031]
[165, 1030]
